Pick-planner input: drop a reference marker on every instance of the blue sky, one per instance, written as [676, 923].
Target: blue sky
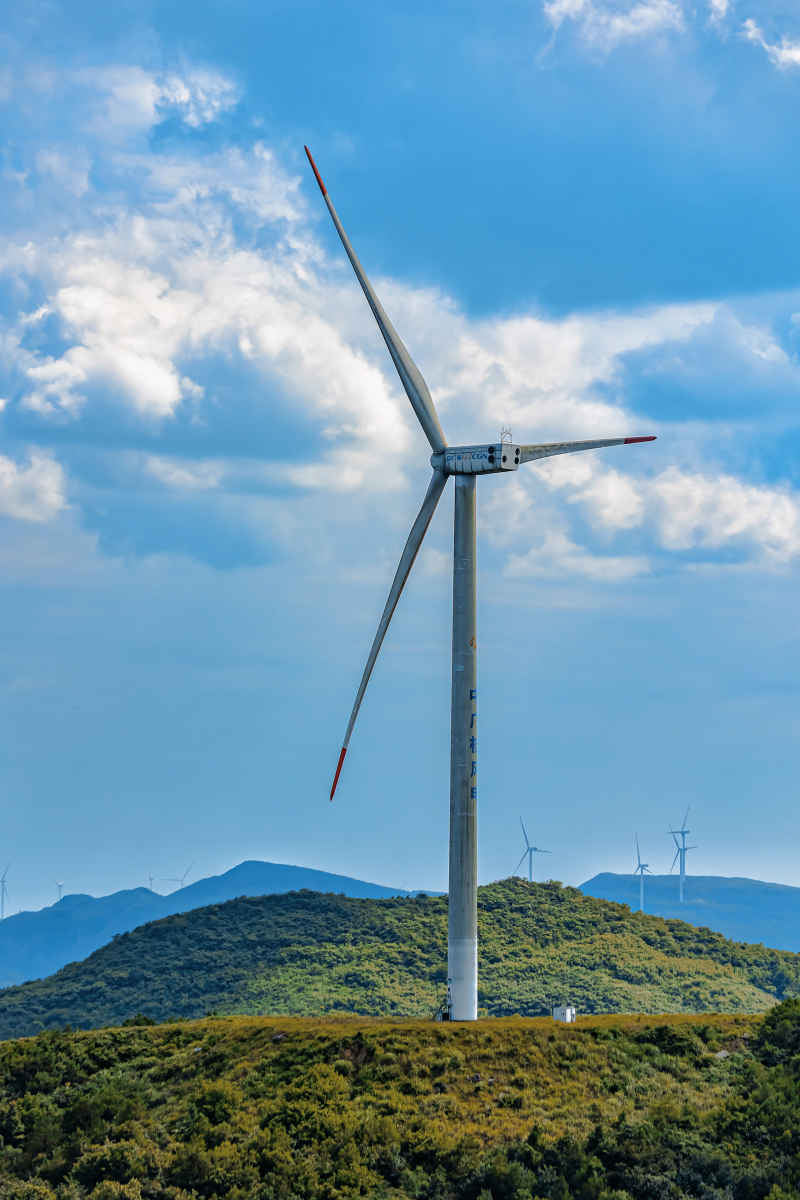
[582, 217]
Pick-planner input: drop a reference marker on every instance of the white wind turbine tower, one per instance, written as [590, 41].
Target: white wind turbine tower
[530, 852]
[465, 463]
[60, 886]
[4, 892]
[681, 851]
[641, 869]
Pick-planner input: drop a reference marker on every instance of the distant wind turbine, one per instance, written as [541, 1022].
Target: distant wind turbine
[640, 870]
[465, 464]
[180, 882]
[60, 886]
[530, 852]
[681, 851]
[3, 892]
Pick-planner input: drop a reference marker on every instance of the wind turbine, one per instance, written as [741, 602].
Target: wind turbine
[60, 886]
[641, 869]
[530, 852]
[180, 882]
[681, 851]
[3, 892]
[465, 463]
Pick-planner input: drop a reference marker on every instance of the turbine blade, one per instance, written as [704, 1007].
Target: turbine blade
[548, 449]
[685, 816]
[675, 859]
[638, 855]
[521, 861]
[418, 531]
[525, 833]
[410, 375]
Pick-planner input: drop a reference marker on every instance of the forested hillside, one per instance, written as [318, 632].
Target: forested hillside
[243, 1108]
[306, 953]
[33, 944]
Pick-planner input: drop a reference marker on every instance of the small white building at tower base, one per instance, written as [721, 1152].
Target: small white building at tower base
[564, 1012]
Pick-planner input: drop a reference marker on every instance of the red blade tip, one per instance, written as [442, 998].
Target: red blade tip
[319, 181]
[341, 756]
[630, 441]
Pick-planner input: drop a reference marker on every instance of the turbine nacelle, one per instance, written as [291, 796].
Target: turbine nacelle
[477, 460]
[494, 457]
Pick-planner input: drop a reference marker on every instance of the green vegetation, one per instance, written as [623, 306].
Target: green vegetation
[305, 953]
[244, 1108]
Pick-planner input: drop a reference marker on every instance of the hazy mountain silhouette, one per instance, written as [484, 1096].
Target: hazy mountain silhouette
[746, 910]
[34, 944]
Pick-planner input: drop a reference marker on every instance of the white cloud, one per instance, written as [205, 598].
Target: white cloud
[716, 511]
[127, 99]
[782, 54]
[683, 510]
[70, 171]
[606, 25]
[126, 325]
[34, 492]
[146, 297]
[718, 10]
[184, 475]
[136, 297]
[200, 96]
[557, 556]
[250, 180]
[614, 500]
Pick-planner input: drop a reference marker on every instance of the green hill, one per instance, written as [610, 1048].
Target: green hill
[247, 1108]
[306, 953]
[33, 944]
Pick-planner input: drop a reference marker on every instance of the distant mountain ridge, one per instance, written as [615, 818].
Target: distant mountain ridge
[308, 954]
[35, 944]
[747, 910]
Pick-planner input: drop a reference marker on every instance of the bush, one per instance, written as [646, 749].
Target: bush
[778, 1038]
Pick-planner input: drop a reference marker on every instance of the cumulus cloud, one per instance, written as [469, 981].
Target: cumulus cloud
[129, 99]
[126, 326]
[605, 25]
[782, 54]
[34, 492]
[557, 556]
[716, 511]
[135, 298]
[718, 10]
[199, 97]
[683, 510]
[216, 268]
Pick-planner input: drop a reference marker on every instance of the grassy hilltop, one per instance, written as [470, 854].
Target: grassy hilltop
[309, 954]
[247, 1108]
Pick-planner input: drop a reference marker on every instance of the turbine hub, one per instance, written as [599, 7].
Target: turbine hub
[488, 459]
